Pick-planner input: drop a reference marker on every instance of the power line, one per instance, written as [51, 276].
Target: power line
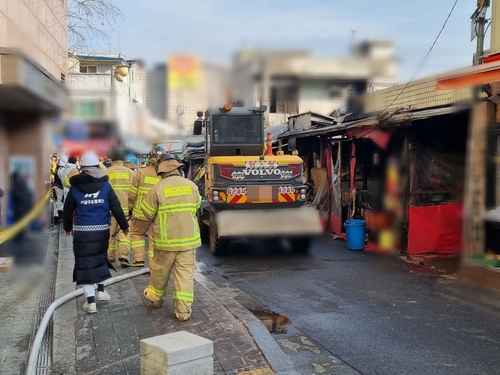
[425, 58]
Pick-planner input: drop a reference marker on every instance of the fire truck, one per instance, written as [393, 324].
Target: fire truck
[248, 190]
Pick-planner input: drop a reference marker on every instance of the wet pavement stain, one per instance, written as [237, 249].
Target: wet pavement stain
[304, 344]
[321, 368]
[431, 271]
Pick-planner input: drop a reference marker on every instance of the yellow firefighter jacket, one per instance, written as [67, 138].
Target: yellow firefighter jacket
[71, 173]
[143, 181]
[120, 178]
[132, 166]
[172, 205]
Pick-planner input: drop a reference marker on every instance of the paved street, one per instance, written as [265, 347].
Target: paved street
[350, 313]
[380, 316]
[108, 342]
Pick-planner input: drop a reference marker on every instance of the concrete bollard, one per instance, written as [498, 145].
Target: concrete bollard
[178, 353]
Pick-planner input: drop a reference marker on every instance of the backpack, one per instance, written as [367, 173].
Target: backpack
[57, 180]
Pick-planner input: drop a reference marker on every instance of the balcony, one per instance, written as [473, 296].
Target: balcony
[96, 83]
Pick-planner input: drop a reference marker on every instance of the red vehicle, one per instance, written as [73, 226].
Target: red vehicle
[80, 136]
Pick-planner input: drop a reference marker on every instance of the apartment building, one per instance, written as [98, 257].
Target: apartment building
[108, 94]
[33, 93]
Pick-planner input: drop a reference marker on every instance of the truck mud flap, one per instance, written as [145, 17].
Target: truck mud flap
[303, 221]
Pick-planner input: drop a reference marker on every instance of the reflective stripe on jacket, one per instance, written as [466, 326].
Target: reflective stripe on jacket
[143, 181]
[64, 174]
[120, 178]
[172, 205]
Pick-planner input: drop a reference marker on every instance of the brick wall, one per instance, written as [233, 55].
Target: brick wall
[419, 94]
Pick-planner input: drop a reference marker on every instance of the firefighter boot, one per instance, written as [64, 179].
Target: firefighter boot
[154, 303]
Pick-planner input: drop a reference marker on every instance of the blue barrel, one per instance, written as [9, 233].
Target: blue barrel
[355, 231]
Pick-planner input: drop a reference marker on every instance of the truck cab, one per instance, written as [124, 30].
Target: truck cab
[240, 174]
[250, 191]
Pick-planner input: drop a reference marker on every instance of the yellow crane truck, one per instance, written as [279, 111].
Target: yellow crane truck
[249, 191]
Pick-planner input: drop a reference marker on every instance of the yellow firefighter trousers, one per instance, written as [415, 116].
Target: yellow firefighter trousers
[120, 243]
[160, 266]
[138, 229]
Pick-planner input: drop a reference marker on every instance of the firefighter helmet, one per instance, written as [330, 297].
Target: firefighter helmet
[130, 158]
[155, 154]
[116, 155]
[167, 163]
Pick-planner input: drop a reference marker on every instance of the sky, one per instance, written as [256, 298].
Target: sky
[216, 29]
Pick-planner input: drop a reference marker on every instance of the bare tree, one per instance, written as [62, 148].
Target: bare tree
[86, 19]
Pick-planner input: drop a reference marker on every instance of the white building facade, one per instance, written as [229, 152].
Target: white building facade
[291, 82]
[100, 96]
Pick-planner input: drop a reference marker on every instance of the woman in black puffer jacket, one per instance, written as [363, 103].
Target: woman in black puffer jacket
[87, 213]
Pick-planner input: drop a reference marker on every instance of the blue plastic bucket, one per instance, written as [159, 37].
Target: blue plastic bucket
[355, 231]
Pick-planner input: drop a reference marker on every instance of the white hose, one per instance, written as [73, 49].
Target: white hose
[35, 347]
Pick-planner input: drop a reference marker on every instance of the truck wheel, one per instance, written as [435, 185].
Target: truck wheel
[204, 233]
[301, 245]
[218, 246]
[204, 229]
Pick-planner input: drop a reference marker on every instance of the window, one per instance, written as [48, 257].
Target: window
[283, 100]
[88, 109]
[239, 129]
[335, 90]
[88, 69]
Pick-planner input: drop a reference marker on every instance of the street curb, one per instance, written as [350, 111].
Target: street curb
[278, 361]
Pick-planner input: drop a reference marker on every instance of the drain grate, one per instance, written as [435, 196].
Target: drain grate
[45, 298]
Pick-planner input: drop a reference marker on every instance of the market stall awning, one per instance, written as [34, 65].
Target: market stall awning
[374, 121]
[472, 76]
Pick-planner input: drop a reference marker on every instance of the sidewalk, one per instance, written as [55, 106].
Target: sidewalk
[19, 299]
[108, 342]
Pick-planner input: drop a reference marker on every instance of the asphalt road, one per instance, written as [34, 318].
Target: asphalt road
[378, 315]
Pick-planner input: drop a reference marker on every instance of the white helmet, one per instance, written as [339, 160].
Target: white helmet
[89, 159]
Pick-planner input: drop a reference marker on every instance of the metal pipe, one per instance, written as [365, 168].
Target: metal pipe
[35, 347]
[481, 20]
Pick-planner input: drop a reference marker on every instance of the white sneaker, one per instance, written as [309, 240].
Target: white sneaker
[91, 308]
[103, 296]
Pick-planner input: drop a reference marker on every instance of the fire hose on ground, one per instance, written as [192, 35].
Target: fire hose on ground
[35, 348]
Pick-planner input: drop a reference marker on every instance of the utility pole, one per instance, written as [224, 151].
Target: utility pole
[478, 21]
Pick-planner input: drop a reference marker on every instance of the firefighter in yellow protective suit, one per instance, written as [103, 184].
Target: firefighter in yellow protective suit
[120, 178]
[143, 181]
[171, 206]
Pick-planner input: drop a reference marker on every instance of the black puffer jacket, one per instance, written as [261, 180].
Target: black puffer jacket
[90, 246]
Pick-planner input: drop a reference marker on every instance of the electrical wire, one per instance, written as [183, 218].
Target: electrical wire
[425, 58]
[487, 27]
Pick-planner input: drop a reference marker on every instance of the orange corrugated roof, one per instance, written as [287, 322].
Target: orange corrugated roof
[472, 76]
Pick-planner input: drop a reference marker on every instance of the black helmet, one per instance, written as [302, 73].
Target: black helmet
[117, 154]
